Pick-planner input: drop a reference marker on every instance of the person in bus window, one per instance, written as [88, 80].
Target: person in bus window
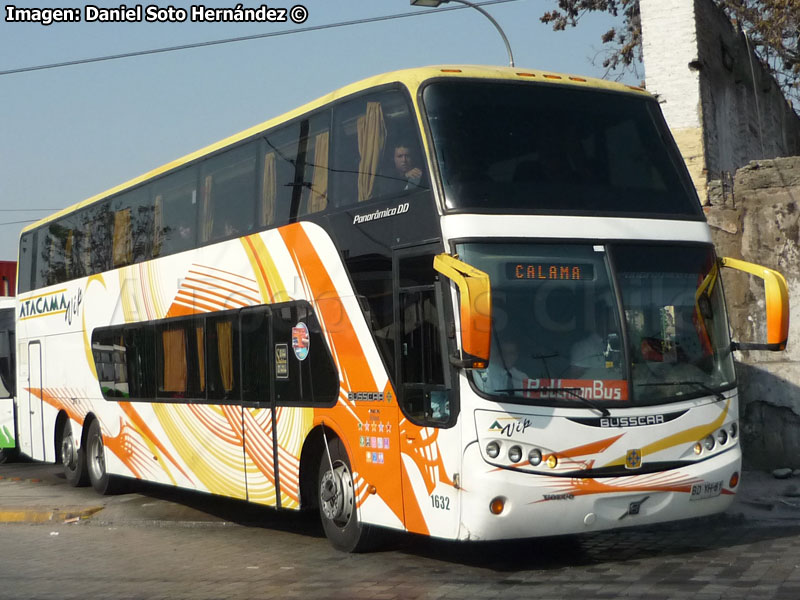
[405, 174]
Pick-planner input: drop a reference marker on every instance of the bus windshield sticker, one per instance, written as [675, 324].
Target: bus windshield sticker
[591, 389]
[282, 361]
[300, 341]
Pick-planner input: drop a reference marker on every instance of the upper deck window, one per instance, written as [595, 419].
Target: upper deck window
[555, 149]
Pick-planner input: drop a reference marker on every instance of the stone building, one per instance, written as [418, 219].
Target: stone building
[723, 108]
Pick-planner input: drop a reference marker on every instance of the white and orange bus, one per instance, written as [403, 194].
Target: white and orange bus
[468, 302]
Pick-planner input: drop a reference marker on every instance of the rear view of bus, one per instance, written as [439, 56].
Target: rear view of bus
[609, 396]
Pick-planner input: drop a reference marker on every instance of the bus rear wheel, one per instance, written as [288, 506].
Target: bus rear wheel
[337, 501]
[102, 482]
[73, 460]
[8, 455]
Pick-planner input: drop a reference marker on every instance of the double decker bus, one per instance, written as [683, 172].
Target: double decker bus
[473, 303]
[8, 276]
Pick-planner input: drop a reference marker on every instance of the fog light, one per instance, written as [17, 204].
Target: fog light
[722, 437]
[698, 448]
[493, 449]
[535, 457]
[709, 442]
[552, 461]
[497, 505]
[734, 430]
[734, 480]
[515, 454]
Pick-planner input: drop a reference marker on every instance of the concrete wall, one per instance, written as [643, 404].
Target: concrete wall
[760, 222]
[702, 71]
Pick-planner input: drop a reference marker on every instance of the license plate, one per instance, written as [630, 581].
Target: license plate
[706, 489]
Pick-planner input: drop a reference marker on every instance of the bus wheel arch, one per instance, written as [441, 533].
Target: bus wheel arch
[71, 456]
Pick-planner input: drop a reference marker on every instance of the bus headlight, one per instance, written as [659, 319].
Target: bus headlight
[515, 454]
[722, 437]
[708, 442]
[493, 449]
[535, 457]
[734, 430]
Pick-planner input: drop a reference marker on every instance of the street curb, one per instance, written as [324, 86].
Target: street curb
[46, 515]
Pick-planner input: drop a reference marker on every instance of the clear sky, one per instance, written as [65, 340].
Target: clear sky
[69, 133]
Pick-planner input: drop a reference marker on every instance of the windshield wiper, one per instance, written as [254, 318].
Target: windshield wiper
[569, 390]
[699, 384]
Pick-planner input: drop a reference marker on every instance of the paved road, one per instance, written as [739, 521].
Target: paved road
[158, 543]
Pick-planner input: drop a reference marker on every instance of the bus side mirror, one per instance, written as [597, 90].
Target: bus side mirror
[777, 301]
[475, 310]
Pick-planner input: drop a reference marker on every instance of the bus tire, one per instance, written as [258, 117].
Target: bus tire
[337, 501]
[73, 460]
[8, 455]
[101, 481]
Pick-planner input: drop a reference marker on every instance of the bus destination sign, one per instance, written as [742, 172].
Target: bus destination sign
[547, 271]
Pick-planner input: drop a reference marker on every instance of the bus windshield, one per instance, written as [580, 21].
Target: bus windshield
[565, 332]
[555, 149]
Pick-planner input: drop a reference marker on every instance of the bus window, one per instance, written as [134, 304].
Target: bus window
[132, 226]
[369, 131]
[228, 194]
[175, 212]
[277, 175]
[556, 149]
[7, 348]
[312, 163]
[420, 352]
[222, 352]
[254, 330]
[27, 261]
[307, 375]
[178, 360]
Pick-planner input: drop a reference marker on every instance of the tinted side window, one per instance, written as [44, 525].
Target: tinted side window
[311, 193]
[228, 194]
[27, 260]
[278, 175]
[175, 212]
[377, 151]
[132, 227]
[307, 374]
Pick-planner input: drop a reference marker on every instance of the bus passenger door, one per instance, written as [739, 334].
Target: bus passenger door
[258, 410]
[31, 416]
[430, 442]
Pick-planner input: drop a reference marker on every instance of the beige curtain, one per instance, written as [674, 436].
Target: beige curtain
[371, 140]
[319, 181]
[158, 226]
[208, 209]
[269, 190]
[225, 351]
[174, 341]
[122, 243]
[201, 357]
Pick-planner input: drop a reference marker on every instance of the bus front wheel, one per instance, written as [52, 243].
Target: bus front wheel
[73, 460]
[337, 501]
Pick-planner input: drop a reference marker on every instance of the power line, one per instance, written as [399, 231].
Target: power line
[19, 222]
[244, 38]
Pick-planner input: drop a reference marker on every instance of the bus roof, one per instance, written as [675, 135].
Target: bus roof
[412, 78]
